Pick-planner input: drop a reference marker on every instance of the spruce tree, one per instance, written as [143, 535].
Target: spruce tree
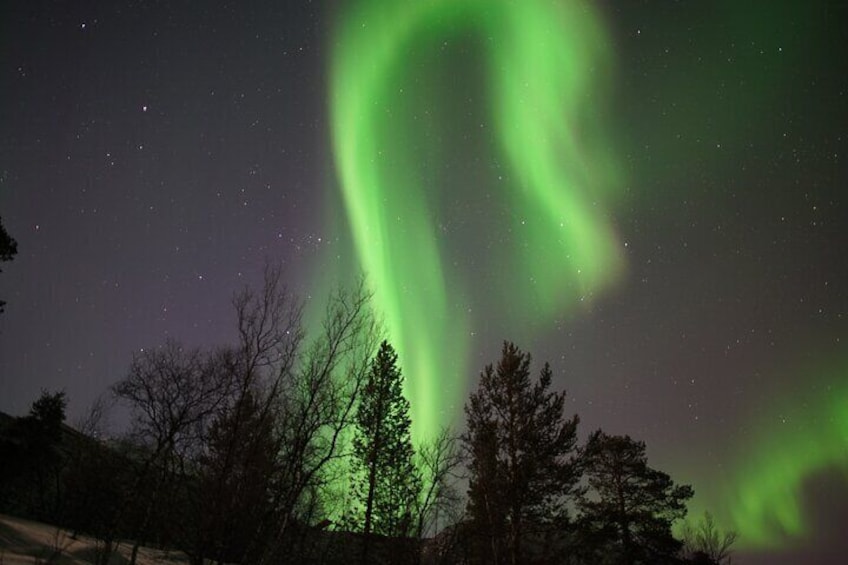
[387, 485]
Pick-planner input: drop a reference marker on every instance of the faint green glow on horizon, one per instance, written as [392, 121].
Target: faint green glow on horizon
[801, 439]
[545, 66]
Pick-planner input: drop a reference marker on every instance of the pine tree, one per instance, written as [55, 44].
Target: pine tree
[388, 484]
[629, 508]
[521, 456]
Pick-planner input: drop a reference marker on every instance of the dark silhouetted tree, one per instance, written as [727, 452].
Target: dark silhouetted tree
[440, 503]
[314, 411]
[8, 250]
[32, 455]
[521, 449]
[236, 471]
[242, 445]
[97, 482]
[437, 461]
[43, 434]
[174, 394]
[243, 436]
[704, 542]
[629, 508]
[388, 484]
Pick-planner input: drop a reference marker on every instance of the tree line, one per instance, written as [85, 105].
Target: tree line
[284, 447]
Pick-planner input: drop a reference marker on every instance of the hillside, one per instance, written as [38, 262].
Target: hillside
[27, 542]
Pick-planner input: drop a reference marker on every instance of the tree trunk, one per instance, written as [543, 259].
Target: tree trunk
[369, 509]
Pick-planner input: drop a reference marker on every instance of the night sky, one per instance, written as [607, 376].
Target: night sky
[670, 233]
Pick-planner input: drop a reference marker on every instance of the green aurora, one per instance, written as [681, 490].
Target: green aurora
[803, 436]
[544, 67]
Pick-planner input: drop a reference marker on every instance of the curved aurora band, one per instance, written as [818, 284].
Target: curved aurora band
[804, 437]
[543, 65]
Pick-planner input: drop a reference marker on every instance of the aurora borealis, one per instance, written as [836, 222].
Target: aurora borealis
[763, 498]
[648, 195]
[543, 65]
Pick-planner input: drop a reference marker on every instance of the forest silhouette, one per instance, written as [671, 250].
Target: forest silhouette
[295, 446]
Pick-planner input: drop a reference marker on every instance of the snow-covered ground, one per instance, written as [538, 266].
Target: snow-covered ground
[26, 542]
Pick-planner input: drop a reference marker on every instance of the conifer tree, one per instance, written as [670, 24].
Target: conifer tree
[629, 508]
[388, 483]
[521, 450]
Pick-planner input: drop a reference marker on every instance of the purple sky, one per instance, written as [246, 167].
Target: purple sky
[154, 154]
